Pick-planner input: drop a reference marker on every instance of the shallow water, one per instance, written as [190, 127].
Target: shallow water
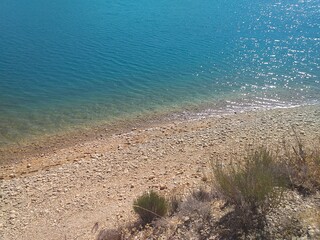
[73, 64]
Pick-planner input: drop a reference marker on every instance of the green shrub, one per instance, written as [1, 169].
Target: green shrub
[150, 206]
[254, 188]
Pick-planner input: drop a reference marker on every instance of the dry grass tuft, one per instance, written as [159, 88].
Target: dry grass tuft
[304, 167]
[174, 204]
[110, 234]
[150, 206]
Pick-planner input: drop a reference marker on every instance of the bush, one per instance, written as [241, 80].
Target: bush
[254, 188]
[150, 206]
[304, 167]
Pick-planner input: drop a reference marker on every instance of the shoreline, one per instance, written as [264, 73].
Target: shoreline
[72, 135]
[15, 161]
[64, 194]
[92, 129]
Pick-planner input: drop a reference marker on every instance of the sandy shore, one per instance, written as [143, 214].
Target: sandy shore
[64, 192]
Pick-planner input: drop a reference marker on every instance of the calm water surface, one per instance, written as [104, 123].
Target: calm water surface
[72, 64]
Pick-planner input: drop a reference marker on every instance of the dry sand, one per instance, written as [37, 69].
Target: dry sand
[63, 193]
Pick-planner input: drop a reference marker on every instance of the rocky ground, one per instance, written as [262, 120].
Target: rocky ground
[296, 217]
[79, 189]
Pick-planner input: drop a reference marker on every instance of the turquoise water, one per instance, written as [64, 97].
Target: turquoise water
[71, 64]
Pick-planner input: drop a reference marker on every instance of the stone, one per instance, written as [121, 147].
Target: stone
[186, 218]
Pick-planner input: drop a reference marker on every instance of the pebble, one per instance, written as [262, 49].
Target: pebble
[79, 180]
[186, 218]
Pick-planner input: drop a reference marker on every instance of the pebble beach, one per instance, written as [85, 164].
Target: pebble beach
[63, 193]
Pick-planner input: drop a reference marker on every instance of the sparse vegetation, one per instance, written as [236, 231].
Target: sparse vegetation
[174, 204]
[193, 205]
[254, 188]
[201, 194]
[246, 196]
[150, 206]
[110, 234]
[304, 167]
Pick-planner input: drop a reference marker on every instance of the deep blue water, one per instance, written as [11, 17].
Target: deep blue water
[70, 64]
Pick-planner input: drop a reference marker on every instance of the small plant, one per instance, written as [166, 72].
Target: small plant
[254, 188]
[150, 206]
[110, 234]
[201, 195]
[174, 203]
[304, 167]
